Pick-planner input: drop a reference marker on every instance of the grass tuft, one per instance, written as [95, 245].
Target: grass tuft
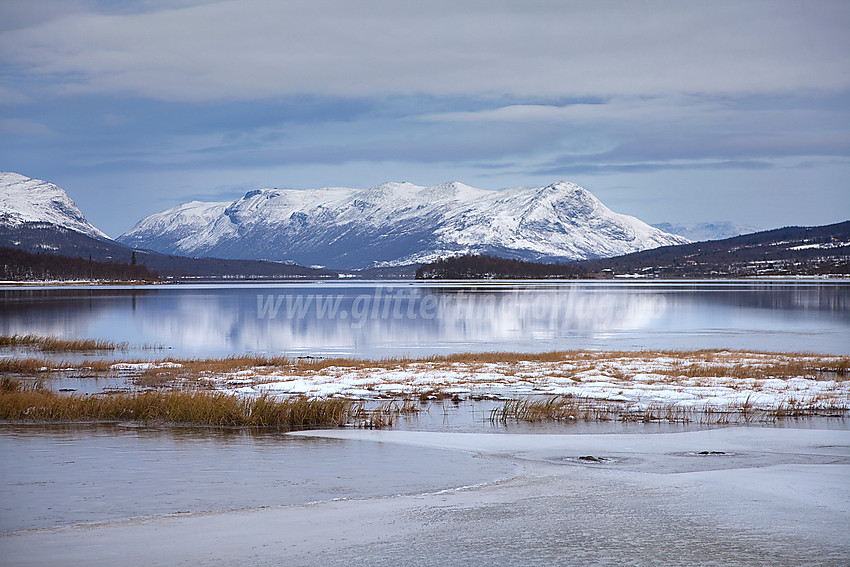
[55, 344]
[187, 407]
[568, 408]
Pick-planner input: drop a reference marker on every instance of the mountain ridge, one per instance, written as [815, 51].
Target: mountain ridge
[395, 224]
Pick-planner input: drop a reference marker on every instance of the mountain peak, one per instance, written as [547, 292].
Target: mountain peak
[567, 186]
[568, 189]
[397, 185]
[24, 199]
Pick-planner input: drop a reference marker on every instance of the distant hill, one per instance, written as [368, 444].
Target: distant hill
[783, 251]
[486, 267]
[47, 238]
[17, 265]
[24, 200]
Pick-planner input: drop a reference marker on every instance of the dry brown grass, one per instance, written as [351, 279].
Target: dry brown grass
[8, 385]
[568, 408]
[556, 408]
[783, 366]
[189, 407]
[193, 368]
[505, 357]
[55, 344]
[24, 366]
[696, 363]
[157, 378]
[383, 415]
[43, 366]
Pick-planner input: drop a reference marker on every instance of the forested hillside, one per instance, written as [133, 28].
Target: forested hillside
[18, 265]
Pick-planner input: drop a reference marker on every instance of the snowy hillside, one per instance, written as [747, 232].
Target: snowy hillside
[174, 225]
[26, 200]
[397, 224]
[707, 230]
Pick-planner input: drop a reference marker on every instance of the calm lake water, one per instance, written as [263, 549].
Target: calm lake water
[375, 319]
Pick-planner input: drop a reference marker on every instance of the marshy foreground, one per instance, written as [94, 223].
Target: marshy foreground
[705, 387]
[579, 457]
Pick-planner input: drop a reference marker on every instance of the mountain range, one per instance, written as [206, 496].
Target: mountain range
[39, 217]
[392, 225]
[396, 224]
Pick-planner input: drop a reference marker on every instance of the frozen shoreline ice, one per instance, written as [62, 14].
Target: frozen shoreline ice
[759, 495]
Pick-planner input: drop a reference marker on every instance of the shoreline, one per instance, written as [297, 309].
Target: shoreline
[621, 279]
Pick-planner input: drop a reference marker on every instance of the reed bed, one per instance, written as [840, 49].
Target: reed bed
[55, 344]
[27, 366]
[781, 367]
[179, 407]
[556, 408]
[383, 415]
[568, 408]
[24, 366]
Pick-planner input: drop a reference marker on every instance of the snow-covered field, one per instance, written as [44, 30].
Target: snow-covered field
[680, 379]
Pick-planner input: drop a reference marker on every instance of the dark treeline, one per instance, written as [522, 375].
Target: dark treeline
[18, 265]
[485, 267]
[37, 238]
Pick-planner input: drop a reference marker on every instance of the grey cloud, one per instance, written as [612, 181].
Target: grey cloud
[16, 126]
[648, 167]
[233, 50]
[16, 14]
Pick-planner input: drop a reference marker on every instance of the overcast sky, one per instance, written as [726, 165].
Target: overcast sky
[678, 111]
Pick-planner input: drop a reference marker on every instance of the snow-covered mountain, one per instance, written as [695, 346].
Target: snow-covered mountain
[24, 200]
[397, 224]
[707, 230]
[36, 216]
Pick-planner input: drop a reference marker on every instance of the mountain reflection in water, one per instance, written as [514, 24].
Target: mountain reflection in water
[374, 319]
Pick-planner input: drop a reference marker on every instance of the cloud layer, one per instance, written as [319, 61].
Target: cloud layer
[238, 50]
